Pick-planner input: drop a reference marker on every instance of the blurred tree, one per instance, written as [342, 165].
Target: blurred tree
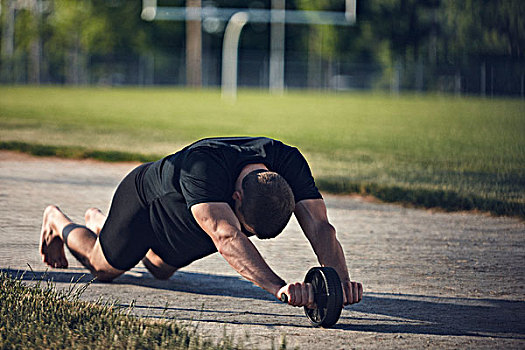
[484, 39]
[27, 25]
[483, 28]
[406, 24]
[78, 30]
[54, 40]
[407, 27]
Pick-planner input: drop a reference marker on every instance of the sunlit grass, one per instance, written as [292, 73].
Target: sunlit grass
[471, 147]
[43, 317]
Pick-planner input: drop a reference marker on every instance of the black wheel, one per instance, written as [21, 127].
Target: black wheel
[328, 295]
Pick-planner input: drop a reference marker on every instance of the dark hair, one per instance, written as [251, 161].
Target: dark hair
[267, 204]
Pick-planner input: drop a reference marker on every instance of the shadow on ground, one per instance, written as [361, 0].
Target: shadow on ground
[420, 314]
[187, 282]
[378, 312]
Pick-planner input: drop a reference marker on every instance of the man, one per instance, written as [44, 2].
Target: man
[210, 196]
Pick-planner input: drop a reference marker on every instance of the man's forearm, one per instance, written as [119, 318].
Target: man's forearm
[242, 255]
[337, 261]
[312, 217]
[220, 223]
[328, 250]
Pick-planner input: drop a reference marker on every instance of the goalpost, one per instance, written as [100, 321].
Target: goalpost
[236, 18]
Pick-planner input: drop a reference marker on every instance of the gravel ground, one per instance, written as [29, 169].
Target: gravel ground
[431, 279]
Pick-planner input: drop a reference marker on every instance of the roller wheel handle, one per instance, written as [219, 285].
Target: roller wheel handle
[284, 298]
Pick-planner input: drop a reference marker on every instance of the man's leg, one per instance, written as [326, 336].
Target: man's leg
[158, 268]
[82, 242]
[95, 219]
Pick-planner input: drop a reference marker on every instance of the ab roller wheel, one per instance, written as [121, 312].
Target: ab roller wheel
[328, 296]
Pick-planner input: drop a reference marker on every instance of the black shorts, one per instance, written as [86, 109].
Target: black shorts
[127, 234]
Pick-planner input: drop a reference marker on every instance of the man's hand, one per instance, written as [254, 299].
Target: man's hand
[352, 292]
[299, 294]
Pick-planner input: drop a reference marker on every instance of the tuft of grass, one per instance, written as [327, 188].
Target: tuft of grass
[42, 317]
[76, 152]
[419, 197]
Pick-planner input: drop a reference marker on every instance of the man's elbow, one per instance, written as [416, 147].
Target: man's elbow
[223, 242]
[222, 248]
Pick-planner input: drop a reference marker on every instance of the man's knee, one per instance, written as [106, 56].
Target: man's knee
[100, 267]
[161, 274]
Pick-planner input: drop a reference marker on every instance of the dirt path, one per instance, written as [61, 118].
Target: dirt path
[431, 279]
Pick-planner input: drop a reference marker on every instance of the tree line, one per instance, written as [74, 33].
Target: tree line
[55, 40]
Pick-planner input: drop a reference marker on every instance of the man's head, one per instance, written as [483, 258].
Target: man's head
[265, 203]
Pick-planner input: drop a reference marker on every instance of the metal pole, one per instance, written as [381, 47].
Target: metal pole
[277, 19]
[457, 83]
[193, 47]
[419, 75]
[149, 10]
[350, 10]
[229, 55]
[522, 85]
[483, 79]
[35, 50]
[491, 81]
[396, 77]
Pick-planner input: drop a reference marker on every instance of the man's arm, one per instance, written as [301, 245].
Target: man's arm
[221, 224]
[312, 217]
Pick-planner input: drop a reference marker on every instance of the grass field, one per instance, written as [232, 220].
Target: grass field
[455, 153]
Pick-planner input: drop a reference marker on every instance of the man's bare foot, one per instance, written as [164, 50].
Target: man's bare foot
[51, 244]
[94, 220]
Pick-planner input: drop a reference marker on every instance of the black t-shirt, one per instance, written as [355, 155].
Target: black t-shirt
[206, 171]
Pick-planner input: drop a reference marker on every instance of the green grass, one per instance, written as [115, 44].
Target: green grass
[42, 317]
[434, 151]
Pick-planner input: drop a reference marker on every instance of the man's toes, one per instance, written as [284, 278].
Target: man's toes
[58, 263]
[87, 215]
[91, 213]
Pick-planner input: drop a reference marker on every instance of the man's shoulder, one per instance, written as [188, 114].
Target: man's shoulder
[235, 146]
[240, 141]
